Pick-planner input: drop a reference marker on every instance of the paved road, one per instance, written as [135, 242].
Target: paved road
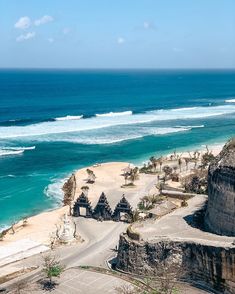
[175, 226]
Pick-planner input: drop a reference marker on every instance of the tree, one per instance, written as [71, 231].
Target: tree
[85, 190]
[207, 158]
[154, 162]
[160, 160]
[52, 268]
[167, 170]
[196, 182]
[134, 175]
[180, 163]
[187, 160]
[135, 216]
[91, 176]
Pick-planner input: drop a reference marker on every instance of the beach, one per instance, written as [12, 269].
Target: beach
[109, 179]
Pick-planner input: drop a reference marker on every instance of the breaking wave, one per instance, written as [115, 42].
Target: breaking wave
[19, 148]
[54, 190]
[93, 123]
[7, 151]
[113, 114]
[117, 137]
[230, 100]
[69, 117]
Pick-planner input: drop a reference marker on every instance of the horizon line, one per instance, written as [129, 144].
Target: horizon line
[114, 68]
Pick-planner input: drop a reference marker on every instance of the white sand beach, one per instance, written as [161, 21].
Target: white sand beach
[109, 180]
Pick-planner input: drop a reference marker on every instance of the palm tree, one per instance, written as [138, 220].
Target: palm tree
[167, 170]
[187, 160]
[180, 163]
[154, 162]
[160, 160]
[135, 216]
[134, 175]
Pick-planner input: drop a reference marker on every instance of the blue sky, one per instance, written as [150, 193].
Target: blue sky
[117, 34]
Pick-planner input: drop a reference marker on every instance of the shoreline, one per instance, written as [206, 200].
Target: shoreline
[55, 214]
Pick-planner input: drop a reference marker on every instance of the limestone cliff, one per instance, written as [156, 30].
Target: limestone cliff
[207, 265]
[69, 189]
[220, 214]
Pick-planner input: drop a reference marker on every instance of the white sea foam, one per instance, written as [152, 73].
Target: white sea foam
[19, 148]
[54, 189]
[59, 127]
[120, 137]
[230, 100]
[69, 117]
[112, 114]
[191, 127]
[8, 152]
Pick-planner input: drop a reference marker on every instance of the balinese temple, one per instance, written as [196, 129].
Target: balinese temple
[123, 207]
[102, 210]
[82, 202]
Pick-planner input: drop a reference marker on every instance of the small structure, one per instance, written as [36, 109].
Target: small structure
[102, 210]
[175, 177]
[162, 209]
[82, 202]
[123, 207]
[67, 231]
[127, 170]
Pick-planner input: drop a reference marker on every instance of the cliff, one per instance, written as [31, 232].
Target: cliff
[220, 214]
[69, 189]
[206, 265]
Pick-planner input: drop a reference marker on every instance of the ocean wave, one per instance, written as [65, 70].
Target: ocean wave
[140, 133]
[7, 153]
[113, 114]
[19, 148]
[191, 127]
[54, 190]
[93, 123]
[230, 100]
[69, 117]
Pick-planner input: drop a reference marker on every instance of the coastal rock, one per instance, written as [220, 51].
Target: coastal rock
[220, 214]
[69, 189]
[208, 266]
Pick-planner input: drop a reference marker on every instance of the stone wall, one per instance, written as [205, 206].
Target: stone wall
[207, 265]
[220, 214]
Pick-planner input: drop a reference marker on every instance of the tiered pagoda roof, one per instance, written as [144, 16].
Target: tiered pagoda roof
[102, 209]
[82, 202]
[123, 206]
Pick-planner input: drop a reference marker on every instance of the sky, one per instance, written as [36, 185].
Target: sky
[117, 34]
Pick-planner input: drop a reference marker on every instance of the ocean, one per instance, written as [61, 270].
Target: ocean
[55, 121]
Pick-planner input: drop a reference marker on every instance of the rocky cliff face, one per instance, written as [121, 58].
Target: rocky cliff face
[220, 214]
[208, 265]
[69, 189]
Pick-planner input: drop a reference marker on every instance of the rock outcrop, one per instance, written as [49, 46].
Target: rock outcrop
[69, 189]
[208, 266]
[220, 214]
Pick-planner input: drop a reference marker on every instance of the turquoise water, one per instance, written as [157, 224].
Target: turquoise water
[52, 122]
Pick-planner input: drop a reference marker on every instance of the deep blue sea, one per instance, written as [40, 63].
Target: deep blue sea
[55, 121]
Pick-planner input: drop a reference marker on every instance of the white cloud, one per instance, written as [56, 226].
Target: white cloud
[66, 31]
[25, 37]
[149, 25]
[23, 23]
[43, 20]
[121, 40]
[50, 40]
[146, 25]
